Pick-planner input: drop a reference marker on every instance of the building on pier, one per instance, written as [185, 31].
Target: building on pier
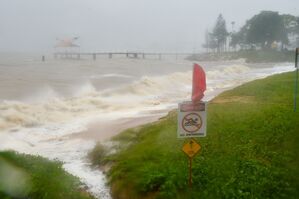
[66, 48]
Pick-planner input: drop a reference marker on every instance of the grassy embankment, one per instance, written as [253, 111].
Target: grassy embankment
[251, 56]
[25, 176]
[251, 149]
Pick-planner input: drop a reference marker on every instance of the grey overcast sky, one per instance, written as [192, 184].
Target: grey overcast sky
[120, 25]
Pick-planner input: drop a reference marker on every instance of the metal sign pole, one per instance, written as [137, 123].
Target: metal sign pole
[296, 80]
[191, 148]
[190, 172]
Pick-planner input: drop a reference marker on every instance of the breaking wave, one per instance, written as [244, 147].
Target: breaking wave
[157, 92]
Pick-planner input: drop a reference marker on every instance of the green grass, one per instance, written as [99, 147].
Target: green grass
[251, 149]
[27, 176]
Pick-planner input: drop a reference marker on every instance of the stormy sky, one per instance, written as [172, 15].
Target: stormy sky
[123, 25]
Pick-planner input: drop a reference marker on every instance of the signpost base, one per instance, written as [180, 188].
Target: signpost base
[190, 172]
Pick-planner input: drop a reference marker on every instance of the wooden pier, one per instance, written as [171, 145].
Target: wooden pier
[110, 55]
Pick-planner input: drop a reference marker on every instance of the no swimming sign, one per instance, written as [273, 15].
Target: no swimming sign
[192, 119]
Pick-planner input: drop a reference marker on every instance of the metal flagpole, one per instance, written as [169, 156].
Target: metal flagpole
[296, 80]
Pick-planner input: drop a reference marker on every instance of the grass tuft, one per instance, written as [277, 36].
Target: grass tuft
[35, 177]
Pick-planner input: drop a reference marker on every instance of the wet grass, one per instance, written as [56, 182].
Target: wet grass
[26, 176]
[251, 149]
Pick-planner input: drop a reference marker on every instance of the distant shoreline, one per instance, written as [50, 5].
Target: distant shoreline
[250, 56]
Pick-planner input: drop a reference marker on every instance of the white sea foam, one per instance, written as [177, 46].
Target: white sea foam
[145, 94]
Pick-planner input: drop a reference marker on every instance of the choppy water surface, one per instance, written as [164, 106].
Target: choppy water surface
[42, 102]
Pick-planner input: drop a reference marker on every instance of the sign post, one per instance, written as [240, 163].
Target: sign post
[192, 120]
[296, 79]
[191, 148]
[190, 172]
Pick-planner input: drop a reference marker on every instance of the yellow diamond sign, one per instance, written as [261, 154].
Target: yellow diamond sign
[191, 148]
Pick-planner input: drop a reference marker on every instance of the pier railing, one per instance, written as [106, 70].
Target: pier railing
[110, 55]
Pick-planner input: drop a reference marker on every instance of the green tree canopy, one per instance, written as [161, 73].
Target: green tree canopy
[265, 28]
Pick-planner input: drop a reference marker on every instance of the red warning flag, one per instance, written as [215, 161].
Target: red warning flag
[199, 83]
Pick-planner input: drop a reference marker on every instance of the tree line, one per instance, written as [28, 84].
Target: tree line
[266, 30]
